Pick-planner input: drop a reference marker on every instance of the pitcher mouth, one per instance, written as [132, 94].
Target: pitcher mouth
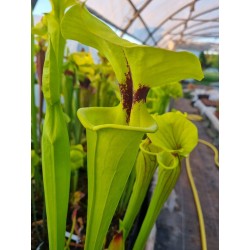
[96, 118]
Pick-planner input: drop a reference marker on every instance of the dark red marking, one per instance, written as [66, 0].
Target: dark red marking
[140, 94]
[127, 93]
[118, 236]
[68, 72]
[85, 83]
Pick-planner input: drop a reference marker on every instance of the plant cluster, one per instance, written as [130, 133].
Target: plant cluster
[125, 137]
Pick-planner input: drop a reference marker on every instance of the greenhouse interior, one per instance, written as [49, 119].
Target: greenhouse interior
[125, 125]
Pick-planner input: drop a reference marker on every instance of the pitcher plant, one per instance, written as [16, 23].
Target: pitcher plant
[114, 134]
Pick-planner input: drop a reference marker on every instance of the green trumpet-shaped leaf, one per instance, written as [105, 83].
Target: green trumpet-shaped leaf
[112, 150]
[174, 90]
[137, 67]
[76, 156]
[177, 137]
[146, 164]
[158, 98]
[169, 171]
[55, 148]
[56, 173]
[176, 133]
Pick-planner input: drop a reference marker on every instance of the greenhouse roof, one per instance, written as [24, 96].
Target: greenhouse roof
[171, 24]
